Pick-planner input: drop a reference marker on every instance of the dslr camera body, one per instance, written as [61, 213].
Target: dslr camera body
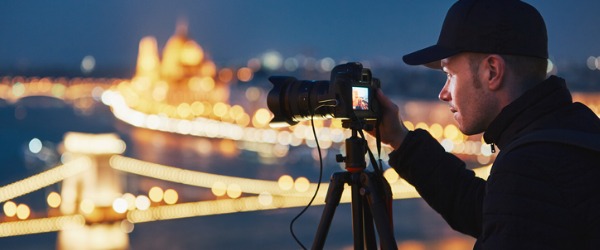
[350, 94]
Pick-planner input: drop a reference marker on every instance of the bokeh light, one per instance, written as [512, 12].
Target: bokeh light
[265, 198]
[155, 194]
[302, 184]
[286, 182]
[23, 211]
[244, 74]
[10, 208]
[88, 64]
[120, 205]
[234, 191]
[35, 145]
[142, 202]
[171, 196]
[53, 199]
[219, 188]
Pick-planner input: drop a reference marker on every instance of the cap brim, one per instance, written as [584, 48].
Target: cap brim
[429, 56]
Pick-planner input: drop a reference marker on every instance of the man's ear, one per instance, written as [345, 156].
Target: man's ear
[495, 67]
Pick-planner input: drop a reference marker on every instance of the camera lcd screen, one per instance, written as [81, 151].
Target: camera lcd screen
[360, 98]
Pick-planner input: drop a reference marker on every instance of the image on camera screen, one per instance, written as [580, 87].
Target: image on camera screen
[360, 98]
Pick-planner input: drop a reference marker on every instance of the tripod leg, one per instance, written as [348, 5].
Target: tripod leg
[369, 227]
[332, 200]
[375, 196]
[357, 213]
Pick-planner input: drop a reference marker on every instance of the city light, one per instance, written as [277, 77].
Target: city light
[201, 127]
[286, 182]
[53, 200]
[93, 144]
[142, 202]
[215, 182]
[225, 75]
[35, 145]
[120, 205]
[301, 184]
[18, 89]
[326, 64]
[10, 208]
[130, 199]
[43, 225]
[23, 211]
[205, 208]
[127, 226]
[234, 190]
[265, 199]
[291, 64]
[272, 60]
[593, 63]
[171, 196]
[44, 179]
[155, 194]
[244, 74]
[219, 188]
[68, 90]
[88, 64]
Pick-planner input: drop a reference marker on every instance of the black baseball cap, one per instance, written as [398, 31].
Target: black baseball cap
[509, 27]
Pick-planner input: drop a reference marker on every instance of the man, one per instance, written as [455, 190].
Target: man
[540, 195]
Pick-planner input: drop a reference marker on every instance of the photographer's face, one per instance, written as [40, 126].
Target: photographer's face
[466, 94]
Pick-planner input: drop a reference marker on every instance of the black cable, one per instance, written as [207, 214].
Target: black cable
[312, 123]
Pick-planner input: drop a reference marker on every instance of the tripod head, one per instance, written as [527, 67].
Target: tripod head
[356, 147]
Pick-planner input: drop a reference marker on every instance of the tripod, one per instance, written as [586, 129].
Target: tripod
[371, 198]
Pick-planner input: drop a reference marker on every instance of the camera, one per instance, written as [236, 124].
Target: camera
[350, 94]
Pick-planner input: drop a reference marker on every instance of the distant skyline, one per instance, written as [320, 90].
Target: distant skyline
[59, 34]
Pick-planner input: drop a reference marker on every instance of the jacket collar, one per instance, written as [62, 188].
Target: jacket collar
[542, 99]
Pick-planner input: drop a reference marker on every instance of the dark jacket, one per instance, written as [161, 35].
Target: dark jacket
[538, 196]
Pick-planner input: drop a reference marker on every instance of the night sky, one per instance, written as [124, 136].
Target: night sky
[37, 34]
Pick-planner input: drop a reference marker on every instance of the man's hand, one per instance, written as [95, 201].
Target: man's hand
[392, 129]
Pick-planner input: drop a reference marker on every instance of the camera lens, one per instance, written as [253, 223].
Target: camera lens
[293, 101]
